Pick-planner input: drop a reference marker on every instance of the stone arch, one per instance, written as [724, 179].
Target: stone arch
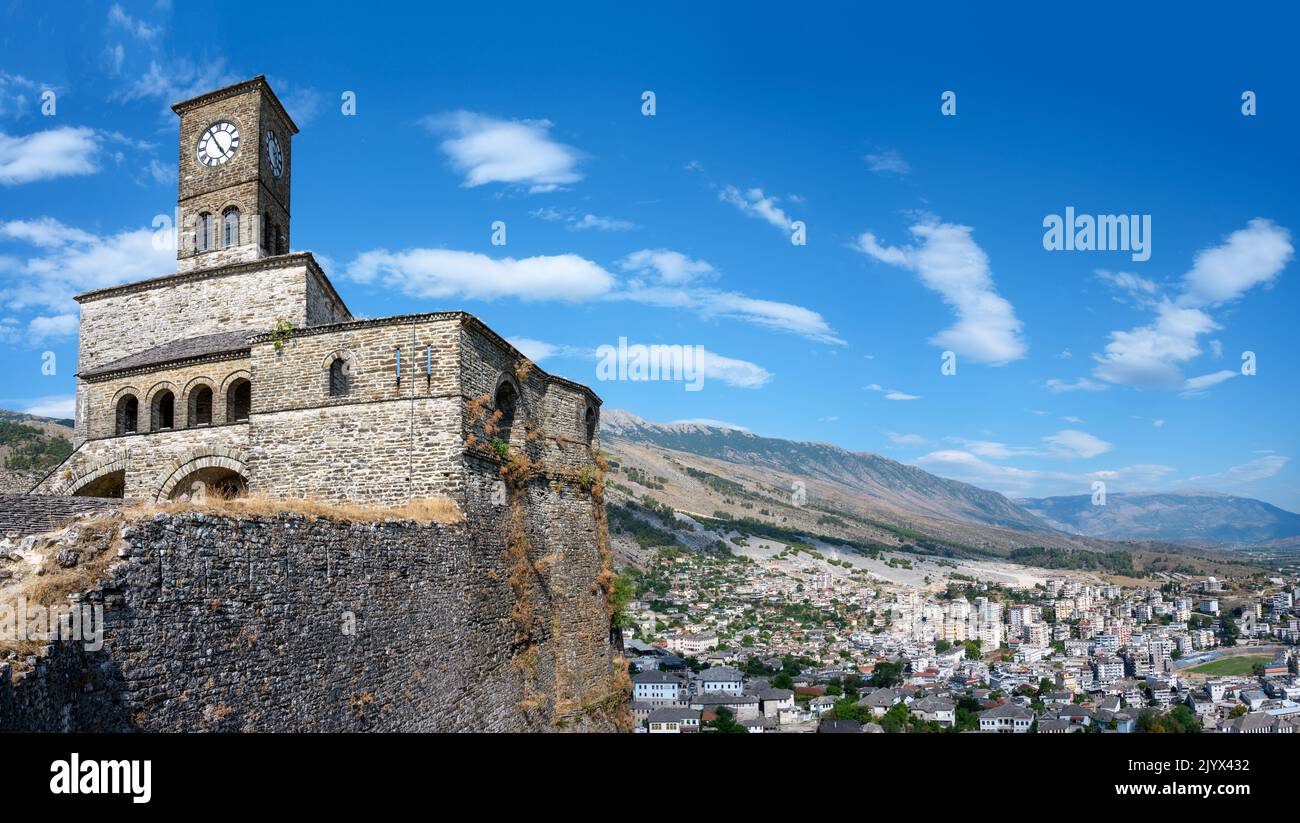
[339, 373]
[208, 465]
[590, 422]
[156, 401]
[78, 482]
[199, 411]
[126, 407]
[508, 400]
[230, 402]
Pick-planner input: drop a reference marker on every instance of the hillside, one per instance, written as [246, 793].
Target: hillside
[29, 447]
[875, 478]
[1195, 518]
[725, 481]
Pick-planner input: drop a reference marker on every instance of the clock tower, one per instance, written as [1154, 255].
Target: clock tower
[234, 176]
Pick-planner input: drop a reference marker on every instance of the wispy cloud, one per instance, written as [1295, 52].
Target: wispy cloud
[517, 152]
[891, 394]
[753, 203]
[583, 222]
[1260, 468]
[887, 162]
[950, 263]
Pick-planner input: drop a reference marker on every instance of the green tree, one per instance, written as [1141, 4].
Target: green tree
[724, 721]
[895, 720]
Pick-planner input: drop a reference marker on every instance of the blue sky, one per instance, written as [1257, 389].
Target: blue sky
[924, 231]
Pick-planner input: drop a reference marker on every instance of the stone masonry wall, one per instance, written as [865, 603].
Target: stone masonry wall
[153, 462]
[102, 396]
[291, 624]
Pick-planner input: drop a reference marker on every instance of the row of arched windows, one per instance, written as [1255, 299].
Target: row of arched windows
[209, 237]
[162, 408]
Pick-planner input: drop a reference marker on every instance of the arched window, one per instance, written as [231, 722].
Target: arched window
[239, 400]
[590, 424]
[163, 411]
[281, 247]
[506, 401]
[230, 227]
[201, 406]
[266, 231]
[203, 233]
[340, 378]
[128, 414]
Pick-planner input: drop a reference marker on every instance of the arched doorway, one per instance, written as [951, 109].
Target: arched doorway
[112, 484]
[211, 482]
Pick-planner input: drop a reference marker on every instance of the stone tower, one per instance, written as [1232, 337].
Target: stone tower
[235, 164]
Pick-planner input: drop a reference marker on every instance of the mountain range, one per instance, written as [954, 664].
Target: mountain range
[908, 499]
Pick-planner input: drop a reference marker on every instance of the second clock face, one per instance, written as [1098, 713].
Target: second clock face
[218, 144]
[273, 154]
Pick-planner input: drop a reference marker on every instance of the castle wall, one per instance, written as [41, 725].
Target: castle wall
[290, 624]
[383, 441]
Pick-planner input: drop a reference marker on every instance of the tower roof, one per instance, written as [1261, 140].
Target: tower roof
[258, 82]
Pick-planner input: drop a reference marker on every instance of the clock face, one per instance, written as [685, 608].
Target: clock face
[218, 144]
[273, 154]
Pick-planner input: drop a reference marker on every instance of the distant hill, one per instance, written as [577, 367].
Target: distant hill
[874, 477]
[1196, 518]
[29, 447]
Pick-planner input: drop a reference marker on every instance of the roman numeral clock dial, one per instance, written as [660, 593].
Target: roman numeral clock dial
[218, 144]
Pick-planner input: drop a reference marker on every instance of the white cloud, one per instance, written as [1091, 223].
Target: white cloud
[519, 152]
[1249, 257]
[179, 80]
[592, 221]
[441, 273]
[1066, 444]
[1196, 386]
[733, 372]
[709, 303]
[1128, 282]
[1072, 419]
[18, 94]
[1013, 480]
[45, 155]
[887, 162]
[1150, 356]
[753, 203]
[669, 267]
[43, 327]
[950, 263]
[1082, 384]
[137, 28]
[892, 394]
[907, 439]
[60, 407]
[539, 350]
[69, 261]
[1260, 468]
[1070, 443]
